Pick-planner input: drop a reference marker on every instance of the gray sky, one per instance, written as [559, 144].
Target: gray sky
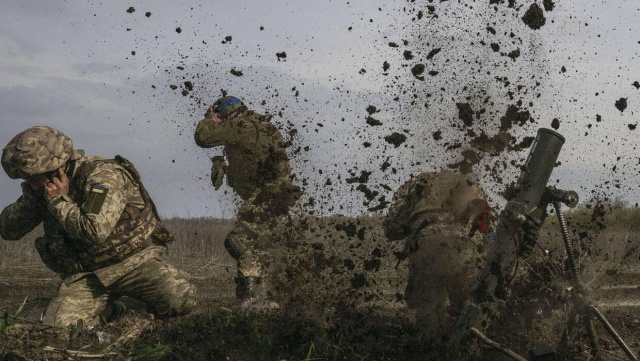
[71, 65]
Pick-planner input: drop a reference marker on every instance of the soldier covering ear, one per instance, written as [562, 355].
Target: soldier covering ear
[102, 233]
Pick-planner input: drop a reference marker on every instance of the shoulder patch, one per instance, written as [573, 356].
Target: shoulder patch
[95, 199]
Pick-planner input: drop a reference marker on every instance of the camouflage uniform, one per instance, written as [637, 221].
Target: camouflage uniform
[258, 170]
[444, 218]
[103, 238]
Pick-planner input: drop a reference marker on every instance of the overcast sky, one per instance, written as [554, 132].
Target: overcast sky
[102, 75]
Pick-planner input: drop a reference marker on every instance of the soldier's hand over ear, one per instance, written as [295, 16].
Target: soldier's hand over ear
[59, 186]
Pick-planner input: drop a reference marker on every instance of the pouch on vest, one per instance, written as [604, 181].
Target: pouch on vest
[58, 256]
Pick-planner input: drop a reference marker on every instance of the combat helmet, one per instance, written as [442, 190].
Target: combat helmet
[227, 105]
[37, 150]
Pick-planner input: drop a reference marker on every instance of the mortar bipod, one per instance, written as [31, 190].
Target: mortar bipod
[585, 308]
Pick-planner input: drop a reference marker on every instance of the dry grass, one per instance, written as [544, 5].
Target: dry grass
[22, 252]
[198, 242]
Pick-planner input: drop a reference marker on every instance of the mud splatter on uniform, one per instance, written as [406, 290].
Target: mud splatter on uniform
[444, 218]
[104, 239]
[259, 172]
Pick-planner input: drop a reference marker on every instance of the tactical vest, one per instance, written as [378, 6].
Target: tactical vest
[135, 230]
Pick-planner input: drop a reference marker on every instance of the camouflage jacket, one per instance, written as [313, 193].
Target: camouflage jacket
[254, 147]
[89, 218]
[437, 202]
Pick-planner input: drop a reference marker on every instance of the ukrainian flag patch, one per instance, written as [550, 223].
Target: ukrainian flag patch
[95, 199]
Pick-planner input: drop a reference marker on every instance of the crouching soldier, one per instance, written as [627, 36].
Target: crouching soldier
[444, 219]
[102, 233]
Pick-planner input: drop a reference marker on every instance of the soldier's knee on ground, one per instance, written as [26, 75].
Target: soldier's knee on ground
[167, 290]
[84, 299]
[184, 300]
[179, 297]
[181, 300]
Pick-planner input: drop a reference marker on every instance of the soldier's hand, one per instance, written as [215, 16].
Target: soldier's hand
[59, 186]
[218, 170]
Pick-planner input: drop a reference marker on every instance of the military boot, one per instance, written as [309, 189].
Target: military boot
[113, 311]
[251, 295]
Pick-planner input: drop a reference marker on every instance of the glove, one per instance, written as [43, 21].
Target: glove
[218, 170]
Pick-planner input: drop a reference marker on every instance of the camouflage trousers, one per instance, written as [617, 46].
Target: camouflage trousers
[248, 244]
[164, 288]
[259, 222]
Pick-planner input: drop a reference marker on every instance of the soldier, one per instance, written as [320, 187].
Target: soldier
[258, 170]
[102, 234]
[444, 218]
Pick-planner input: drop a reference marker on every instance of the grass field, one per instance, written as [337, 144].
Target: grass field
[341, 297]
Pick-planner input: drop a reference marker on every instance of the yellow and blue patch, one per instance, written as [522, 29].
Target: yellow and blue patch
[98, 189]
[95, 199]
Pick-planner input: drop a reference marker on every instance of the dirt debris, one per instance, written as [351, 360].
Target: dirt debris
[373, 121]
[418, 70]
[549, 5]
[407, 54]
[534, 17]
[493, 145]
[514, 54]
[433, 53]
[396, 139]
[465, 166]
[465, 113]
[514, 116]
[621, 104]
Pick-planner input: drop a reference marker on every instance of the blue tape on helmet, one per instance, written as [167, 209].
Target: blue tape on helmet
[228, 102]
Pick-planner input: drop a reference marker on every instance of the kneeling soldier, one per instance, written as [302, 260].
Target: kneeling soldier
[102, 233]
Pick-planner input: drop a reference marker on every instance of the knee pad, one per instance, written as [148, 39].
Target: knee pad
[234, 245]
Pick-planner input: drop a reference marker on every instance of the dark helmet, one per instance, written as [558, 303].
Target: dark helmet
[36, 150]
[227, 105]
